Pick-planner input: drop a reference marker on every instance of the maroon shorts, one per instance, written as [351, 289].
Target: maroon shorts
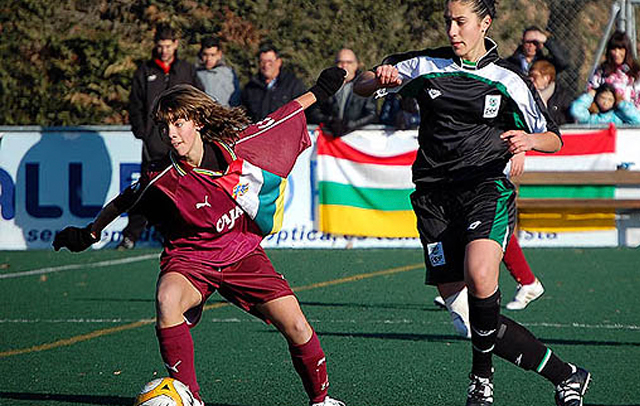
[246, 283]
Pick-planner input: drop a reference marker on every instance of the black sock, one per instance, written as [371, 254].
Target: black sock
[516, 344]
[484, 315]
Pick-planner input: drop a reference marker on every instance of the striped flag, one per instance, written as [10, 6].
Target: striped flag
[260, 193]
[364, 185]
[582, 151]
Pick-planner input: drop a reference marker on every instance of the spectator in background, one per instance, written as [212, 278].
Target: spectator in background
[272, 88]
[346, 111]
[161, 72]
[401, 113]
[604, 106]
[619, 69]
[534, 41]
[555, 97]
[219, 80]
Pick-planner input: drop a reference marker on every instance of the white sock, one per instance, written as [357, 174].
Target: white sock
[458, 307]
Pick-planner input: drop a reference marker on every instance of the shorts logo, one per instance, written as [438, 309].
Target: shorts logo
[491, 106]
[474, 225]
[436, 254]
[151, 78]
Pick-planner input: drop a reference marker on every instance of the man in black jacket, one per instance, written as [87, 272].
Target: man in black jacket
[161, 72]
[533, 46]
[346, 111]
[272, 87]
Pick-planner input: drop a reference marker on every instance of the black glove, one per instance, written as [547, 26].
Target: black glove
[329, 81]
[74, 239]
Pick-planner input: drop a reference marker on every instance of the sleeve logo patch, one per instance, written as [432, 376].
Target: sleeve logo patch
[491, 106]
[436, 254]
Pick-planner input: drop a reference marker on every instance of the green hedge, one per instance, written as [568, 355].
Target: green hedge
[70, 62]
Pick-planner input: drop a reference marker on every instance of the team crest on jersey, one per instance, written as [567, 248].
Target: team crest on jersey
[491, 106]
[436, 254]
[240, 189]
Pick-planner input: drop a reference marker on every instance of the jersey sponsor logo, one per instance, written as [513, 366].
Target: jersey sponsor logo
[436, 254]
[491, 106]
[434, 93]
[203, 204]
[228, 220]
[474, 225]
[151, 78]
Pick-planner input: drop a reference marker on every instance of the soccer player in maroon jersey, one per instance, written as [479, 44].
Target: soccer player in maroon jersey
[213, 198]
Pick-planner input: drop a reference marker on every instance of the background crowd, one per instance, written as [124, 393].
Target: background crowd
[613, 92]
[612, 96]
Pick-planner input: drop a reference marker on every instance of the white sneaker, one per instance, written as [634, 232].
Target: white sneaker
[329, 402]
[439, 302]
[526, 294]
[196, 402]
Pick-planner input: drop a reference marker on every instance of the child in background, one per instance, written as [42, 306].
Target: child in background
[603, 106]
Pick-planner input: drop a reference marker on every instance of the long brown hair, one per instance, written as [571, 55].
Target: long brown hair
[620, 40]
[218, 123]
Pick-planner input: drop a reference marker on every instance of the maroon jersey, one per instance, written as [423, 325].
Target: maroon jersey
[197, 217]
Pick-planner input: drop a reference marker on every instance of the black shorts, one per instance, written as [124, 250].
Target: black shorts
[449, 219]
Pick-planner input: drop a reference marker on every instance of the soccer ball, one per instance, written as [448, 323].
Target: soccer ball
[165, 392]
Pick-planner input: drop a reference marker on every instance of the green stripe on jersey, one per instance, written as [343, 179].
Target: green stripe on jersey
[469, 63]
[416, 84]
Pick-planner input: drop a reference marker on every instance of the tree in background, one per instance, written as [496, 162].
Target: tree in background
[70, 62]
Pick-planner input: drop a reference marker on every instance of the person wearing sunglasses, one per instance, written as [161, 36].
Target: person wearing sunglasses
[535, 45]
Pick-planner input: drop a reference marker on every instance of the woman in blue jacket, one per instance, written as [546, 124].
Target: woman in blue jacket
[602, 106]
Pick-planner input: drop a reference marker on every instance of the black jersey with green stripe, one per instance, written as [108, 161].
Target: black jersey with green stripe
[464, 109]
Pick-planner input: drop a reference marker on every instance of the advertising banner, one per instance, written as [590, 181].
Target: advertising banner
[52, 178]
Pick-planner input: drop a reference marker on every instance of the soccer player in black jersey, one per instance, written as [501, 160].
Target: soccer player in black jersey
[476, 113]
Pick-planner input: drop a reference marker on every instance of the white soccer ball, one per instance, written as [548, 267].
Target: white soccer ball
[165, 392]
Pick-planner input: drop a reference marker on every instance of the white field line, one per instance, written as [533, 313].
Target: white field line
[583, 326]
[72, 267]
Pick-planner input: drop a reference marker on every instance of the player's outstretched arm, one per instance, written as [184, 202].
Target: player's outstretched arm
[329, 81]
[77, 239]
[370, 81]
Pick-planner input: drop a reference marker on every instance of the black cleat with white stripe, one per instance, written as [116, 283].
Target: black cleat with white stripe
[480, 392]
[570, 392]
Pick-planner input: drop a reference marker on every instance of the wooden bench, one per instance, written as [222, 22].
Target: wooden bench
[599, 178]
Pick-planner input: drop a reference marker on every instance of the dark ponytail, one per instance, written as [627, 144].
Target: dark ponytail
[485, 7]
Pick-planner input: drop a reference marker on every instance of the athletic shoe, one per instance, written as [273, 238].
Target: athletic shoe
[525, 295]
[439, 302]
[126, 244]
[480, 392]
[570, 392]
[329, 402]
[197, 402]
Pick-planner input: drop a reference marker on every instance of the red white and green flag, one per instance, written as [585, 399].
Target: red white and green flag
[364, 185]
[583, 150]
